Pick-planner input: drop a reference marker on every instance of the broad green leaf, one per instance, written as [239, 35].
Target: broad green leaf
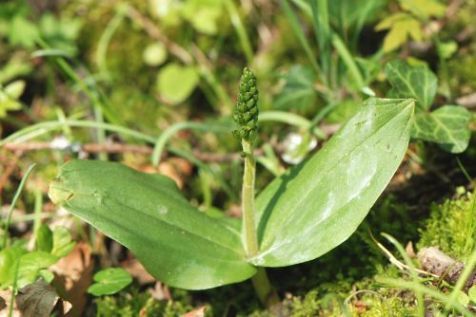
[448, 126]
[175, 82]
[176, 243]
[415, 81]
[317, 205]
[109, 281]
[298, 91]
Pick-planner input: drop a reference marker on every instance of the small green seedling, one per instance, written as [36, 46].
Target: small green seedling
[109, 281]
[9, 97]
[301, 215]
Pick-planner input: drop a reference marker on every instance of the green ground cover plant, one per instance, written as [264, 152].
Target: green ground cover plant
[312, 190]
[297, 218]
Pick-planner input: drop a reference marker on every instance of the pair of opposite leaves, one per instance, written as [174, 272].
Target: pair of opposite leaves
[301, 215]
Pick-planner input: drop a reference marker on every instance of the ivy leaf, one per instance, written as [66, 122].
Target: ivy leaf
[109, 281]
[175, 82]
[416, 81]
[301, 216]
[298, 91]
[448, 126]
[401, 28]
[41, 300]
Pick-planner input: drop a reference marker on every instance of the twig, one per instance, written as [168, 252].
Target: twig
[121, 148]
[400, 265]
[89, 147]
[438, 263]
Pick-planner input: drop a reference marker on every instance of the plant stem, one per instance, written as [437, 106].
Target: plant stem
[247, 200]
[263, 288]
[260, 280]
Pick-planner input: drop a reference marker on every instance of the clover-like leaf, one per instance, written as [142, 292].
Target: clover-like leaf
[175, 83]
[109, 281]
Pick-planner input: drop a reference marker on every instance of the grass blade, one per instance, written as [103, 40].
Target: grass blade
[295, 26]
[14, 201]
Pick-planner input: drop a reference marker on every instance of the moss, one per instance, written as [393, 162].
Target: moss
[464, 66]
[135, 303]
[381, 305]
[309, 305]
[451, 226]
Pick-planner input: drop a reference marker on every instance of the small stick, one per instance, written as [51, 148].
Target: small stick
[122, 148]
[435, 261]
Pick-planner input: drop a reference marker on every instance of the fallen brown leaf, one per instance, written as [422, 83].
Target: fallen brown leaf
[137, 270]
[73, 276]
[40, 300]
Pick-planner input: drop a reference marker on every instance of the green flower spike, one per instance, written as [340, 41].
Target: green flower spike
[246, 110]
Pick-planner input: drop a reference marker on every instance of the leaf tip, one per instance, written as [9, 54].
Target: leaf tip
[58, 193]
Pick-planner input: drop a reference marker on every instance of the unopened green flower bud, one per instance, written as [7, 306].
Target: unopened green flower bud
[246, 110]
